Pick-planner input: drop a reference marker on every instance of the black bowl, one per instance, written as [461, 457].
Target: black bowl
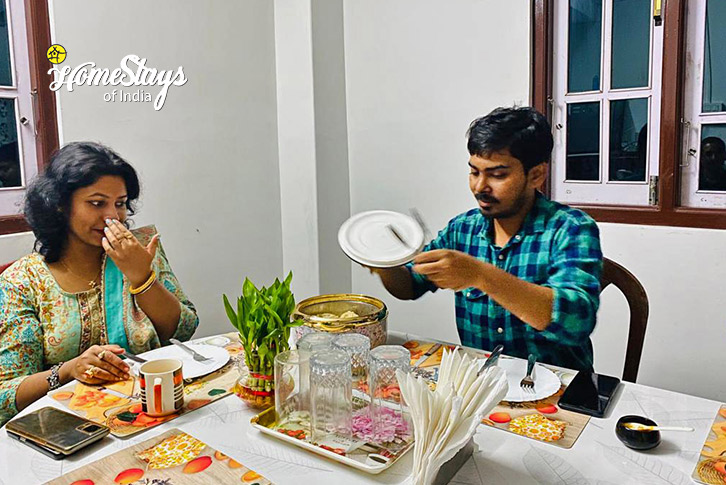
[637, 440]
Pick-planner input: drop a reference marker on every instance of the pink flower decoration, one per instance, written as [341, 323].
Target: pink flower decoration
[391, 426]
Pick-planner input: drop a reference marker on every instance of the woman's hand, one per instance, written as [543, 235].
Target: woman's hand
[133, 259]
[98, 364]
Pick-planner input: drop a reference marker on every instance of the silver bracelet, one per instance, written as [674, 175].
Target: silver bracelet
[54, 377]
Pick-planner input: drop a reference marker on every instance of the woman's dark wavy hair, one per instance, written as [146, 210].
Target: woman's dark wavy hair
[48, 198]
[524, 131]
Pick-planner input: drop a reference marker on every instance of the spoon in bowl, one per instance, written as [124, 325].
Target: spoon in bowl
[645, 427]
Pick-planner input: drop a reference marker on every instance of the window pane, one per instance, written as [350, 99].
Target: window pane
[714, 71]
[6, 78]
[9, 153]
[584, 46]
[712, 162]
[583, 141]
[631, 43]
[628, 139]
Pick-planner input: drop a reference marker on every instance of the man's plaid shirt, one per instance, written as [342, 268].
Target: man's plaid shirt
[558, 247]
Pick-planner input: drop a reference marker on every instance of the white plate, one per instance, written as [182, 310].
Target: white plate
[191, 367]
[366, 239]
[546, 383]
[217, 341]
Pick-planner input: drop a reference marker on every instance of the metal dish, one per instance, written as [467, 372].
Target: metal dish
[371, 317]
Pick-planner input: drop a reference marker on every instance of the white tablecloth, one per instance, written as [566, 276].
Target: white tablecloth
[597, 458]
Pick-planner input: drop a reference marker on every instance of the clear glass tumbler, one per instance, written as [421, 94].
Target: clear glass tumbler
[314, 341]
[292, 391]
[391, 420]
[358, 347]
[330, 396]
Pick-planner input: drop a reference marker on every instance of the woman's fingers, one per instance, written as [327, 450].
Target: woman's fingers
[113, 360]
[99, 375]
[120, 232]
[153, 245]
[106, 245]
[111, 369]
[100, 363]
[116, 349]
[111, 238]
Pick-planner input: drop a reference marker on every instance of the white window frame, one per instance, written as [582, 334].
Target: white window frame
[693, 117]
[602, 191]
[11, 198]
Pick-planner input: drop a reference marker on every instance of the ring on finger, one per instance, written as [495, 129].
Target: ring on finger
[91, 371]
[102, 354]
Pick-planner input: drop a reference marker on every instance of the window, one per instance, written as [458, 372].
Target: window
[703, 169]
[606, 97]
[636, 93]
[28, 130]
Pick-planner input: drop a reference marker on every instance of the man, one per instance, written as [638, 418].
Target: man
[712, 175]
[526, 270]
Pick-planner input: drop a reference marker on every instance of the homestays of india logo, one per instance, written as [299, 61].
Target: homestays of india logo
[131, 73]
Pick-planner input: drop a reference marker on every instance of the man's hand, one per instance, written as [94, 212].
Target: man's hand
[397, 281]
[450, 269]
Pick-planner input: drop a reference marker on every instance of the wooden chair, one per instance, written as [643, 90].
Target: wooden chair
[615, 274]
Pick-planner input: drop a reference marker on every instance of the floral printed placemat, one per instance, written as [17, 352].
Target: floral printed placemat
[711, 466]
[541, 420]
[118, 405]
[172, 457]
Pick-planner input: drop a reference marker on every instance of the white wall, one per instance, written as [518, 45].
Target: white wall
[681, 270]
[418, 72]
[296, 141]
[208, 159]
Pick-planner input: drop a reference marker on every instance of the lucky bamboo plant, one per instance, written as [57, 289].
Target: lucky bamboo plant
[263, 321]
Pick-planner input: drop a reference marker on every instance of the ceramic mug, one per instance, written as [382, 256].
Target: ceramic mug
[162, 387]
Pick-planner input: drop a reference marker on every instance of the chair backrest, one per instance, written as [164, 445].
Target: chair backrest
[615, 274]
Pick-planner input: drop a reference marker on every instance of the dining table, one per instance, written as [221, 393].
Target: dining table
[499, 457]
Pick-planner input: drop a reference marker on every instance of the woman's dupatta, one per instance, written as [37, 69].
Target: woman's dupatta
[113, 290]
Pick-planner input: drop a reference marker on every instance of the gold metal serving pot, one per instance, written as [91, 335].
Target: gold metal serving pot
[371, 319]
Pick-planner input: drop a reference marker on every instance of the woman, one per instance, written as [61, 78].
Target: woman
[92, 289]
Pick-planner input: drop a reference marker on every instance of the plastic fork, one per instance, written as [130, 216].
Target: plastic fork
[527, 383]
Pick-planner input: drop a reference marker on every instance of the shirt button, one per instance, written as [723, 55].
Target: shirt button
[468, 294]
[517, 237]
[500, 330]
[500, 257]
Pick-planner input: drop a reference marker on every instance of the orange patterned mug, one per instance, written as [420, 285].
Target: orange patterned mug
[162, 387]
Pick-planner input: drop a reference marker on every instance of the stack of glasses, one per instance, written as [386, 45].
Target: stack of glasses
[316, 385]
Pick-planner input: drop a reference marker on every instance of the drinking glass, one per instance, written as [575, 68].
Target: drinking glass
[292, 390]
[314, 341]
[358, 347]
[388, 410]
[330, 396]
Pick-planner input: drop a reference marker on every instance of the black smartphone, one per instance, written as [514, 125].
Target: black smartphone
[54, 432]
[589, 393]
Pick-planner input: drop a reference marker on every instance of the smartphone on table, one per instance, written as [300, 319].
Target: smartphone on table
[55, 433]
[589, 393]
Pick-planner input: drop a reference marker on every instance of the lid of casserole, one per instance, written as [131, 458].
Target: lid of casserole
[381, 239]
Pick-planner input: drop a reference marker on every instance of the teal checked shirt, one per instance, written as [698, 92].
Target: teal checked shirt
[558, 247]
